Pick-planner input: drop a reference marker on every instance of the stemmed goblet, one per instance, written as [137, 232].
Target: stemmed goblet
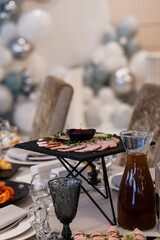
[65, 194]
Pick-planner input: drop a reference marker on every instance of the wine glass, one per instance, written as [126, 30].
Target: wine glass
[65, 194]
[4, 133]
[37, 216]
[40, 194]
[39, 188]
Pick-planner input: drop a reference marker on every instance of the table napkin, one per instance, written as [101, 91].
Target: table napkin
[10, 214]
[21, 154]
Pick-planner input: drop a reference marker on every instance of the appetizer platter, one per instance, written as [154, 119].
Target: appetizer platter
[81, 149]
[112, 233]
[7, 169]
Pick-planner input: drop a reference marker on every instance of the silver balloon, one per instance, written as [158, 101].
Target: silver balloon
[4, 16]
[21, 48]
[123, 82]
[28, 85]
[10, 7]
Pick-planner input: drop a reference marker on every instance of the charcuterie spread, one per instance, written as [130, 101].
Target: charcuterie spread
[62, 142]
[112, 233]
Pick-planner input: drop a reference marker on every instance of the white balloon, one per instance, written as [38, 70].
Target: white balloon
[5, 56]
[37, 66]
[6, 99]
[121, 118]
[110, 56]
[112, 63]
[95, 103]
[88, 95]
[78, 31]
[138, 64]
[106, 95]
[34, 25]
[8, 31]
[23, 115]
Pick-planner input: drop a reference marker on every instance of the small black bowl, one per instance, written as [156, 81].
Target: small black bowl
[80, 134]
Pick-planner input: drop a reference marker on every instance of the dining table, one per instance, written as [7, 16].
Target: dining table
[88, 218]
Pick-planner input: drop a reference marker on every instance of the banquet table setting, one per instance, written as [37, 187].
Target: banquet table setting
[87, 217]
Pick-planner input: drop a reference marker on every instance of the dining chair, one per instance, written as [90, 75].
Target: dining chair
[52, 107]
[146, 116]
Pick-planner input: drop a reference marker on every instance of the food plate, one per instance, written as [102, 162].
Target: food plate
[9, 173]
[21, 228]
[21, 191]
[30, 163]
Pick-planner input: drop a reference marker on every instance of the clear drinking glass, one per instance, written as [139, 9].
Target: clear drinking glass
[65, 194]
[37, 216]
[136, 199]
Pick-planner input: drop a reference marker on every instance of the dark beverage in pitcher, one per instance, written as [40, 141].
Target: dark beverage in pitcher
[136, 199]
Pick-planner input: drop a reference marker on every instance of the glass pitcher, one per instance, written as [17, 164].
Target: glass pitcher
[136, 199]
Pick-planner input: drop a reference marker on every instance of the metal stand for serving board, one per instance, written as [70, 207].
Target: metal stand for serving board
[75, 172]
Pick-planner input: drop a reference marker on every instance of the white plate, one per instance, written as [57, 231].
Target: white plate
[12, 160]
[21, 228]
[27, 234]
[44, 158]
[116, 188]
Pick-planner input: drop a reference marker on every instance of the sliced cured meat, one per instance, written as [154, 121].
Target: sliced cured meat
[51, 145]
[96, 135]
[111, 143]
[90, 147]
[104, 145]
[61, 147]
[64, 137]
[116, 140]
[42, 144]
[78, 147]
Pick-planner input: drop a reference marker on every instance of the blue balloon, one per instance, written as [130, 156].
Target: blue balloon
[13, 81]
[101, 74]
[133, 46]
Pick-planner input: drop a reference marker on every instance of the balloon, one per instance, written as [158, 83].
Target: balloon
[23, 115]
[37, 66]
[111, 56]
[77, 30]
[5, 56]
[114, 62]
[133, 46]
[34, 25]
[6, 99]
[138, 64]
[123, 82]
[106, 95]
[21, 48]
[13, 81]
[8, 31]
[121, 118]
[10, 7]
[92, 119]
[127, 27]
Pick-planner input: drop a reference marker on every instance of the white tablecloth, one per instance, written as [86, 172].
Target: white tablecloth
[88, 218]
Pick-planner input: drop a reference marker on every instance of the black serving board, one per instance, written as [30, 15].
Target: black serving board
[21, 190]
[32, 146]
[9, 173]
